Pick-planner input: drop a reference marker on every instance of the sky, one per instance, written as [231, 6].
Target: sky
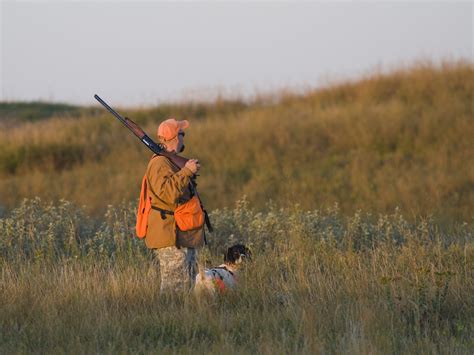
[145, 53]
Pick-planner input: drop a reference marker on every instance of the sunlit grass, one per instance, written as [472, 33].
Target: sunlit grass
[400, 139]
[319, 282]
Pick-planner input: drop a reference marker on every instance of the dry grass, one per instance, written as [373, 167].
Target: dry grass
[73, 279]
[400, 139]
[319, 282]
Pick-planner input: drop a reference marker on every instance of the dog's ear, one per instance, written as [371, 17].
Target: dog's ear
[244, 251]
[248, 253]
[229, 256]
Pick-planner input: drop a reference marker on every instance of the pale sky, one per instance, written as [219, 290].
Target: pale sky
[144, 53]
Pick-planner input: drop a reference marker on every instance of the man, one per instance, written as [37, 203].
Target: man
[169, 186]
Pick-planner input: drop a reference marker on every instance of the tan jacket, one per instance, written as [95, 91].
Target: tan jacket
[168, 186]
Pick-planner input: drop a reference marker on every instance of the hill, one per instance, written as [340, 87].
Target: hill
[399, 139]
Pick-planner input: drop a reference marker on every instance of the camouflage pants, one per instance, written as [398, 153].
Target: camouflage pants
[178, 268]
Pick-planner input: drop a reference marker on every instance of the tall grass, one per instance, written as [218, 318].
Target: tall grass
[399, 139]
[319, 282]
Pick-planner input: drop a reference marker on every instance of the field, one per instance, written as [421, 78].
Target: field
[357, 202]
[318, 282]
[400, 139]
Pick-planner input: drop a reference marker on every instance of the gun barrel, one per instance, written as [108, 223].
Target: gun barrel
[155, 148]
[110, 109]
[126, 121]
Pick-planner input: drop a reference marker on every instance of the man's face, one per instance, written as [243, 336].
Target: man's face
[176, 145]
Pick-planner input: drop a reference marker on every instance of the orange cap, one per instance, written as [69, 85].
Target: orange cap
[169, 129]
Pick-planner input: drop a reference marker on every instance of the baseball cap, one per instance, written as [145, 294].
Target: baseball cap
[169, 129]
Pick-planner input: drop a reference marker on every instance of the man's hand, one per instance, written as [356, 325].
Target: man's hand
[193, 165]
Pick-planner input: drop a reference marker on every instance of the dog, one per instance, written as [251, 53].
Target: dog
[223, 277]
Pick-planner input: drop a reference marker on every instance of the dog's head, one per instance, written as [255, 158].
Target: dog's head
[237, 254]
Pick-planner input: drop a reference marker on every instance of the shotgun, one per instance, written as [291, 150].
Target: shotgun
[155, 148]
[140, 133]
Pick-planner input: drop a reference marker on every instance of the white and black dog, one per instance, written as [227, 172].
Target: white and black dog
[224, 276]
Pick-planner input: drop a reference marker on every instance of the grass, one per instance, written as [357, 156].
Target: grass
[398, 139]
[337, 266]
[318, 282]
[20, 112]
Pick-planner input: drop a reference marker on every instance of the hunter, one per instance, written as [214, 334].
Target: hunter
[170, 187]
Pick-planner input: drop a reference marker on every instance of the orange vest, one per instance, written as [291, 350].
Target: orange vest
[188, 216]
[144, 207]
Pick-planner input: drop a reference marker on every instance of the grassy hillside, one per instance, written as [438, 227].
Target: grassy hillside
[399, 139]
[20, 112]
[321, 280]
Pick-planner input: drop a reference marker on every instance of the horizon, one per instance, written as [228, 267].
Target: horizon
[209, 54]
[275, 95]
